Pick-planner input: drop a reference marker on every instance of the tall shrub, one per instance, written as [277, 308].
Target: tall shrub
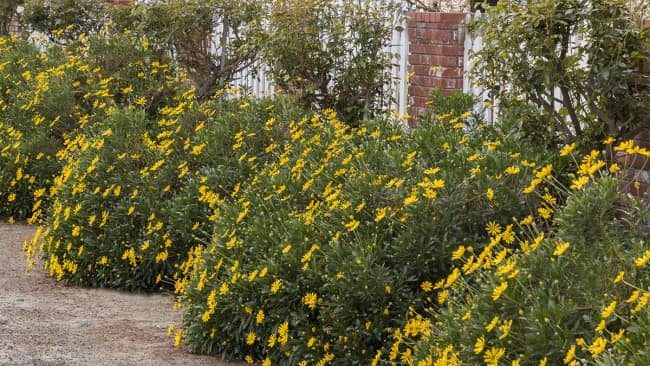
[330, 54]
[574, 61]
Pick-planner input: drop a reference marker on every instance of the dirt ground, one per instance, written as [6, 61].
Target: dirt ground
[45, 323]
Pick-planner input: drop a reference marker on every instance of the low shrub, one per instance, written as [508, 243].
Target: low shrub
[133, 199]
[335, 241]
[572, 292]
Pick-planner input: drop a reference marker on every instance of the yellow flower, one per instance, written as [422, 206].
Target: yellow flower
[426, 286]
[259, 318]
[493, 355]
[512, 170]
[598, 346]
[526, 220]
[276, 286]
[266, 362]
[544, 212]
[609, 310]
[544, 172]
[570, 355]
[442, 296]
[505, 329]
[633, 297]
[250, 338]
[617, 336]
[498, 291]
[411, 199]
[352, 225]
[493, 228]
[381, 213]
[458, 253]
[490, 194]
[479, 345]
[310, 299]
[561, 248]
[493, 323]
[178, 337]
[601, 326]
[619, 277]
[579, 183]
[643, 261]
[566, 150]
[543, 362]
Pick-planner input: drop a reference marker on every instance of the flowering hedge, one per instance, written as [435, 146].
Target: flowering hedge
[573, 291]
[48, 97]
[137, 193]
[337, 239]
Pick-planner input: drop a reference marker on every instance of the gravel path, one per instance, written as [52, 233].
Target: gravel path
[43, 322]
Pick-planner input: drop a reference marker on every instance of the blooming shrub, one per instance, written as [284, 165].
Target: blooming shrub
[48, 97]
[132, 200]
[37, 105]
[331, 244]
[574, 293]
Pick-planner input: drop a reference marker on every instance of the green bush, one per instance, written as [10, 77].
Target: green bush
[133, 198]
[331, 54]
[37, 106]
[326, 248]
[583, 56]
[51, 96]
[573, 294]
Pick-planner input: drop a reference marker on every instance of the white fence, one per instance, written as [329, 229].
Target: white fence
[256, 81]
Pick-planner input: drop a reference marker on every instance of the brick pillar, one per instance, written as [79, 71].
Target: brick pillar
[436, 49]
[636, 174]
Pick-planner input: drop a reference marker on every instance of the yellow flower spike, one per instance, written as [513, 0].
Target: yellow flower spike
[178, 338]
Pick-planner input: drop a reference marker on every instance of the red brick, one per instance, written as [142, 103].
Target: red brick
[630, 187]
[437, 49]
[418, 101]
[437, 36]
[636, 175]
[444, 61]
[419, 91]
[643, 138]
[634, 161]
[419, 59]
